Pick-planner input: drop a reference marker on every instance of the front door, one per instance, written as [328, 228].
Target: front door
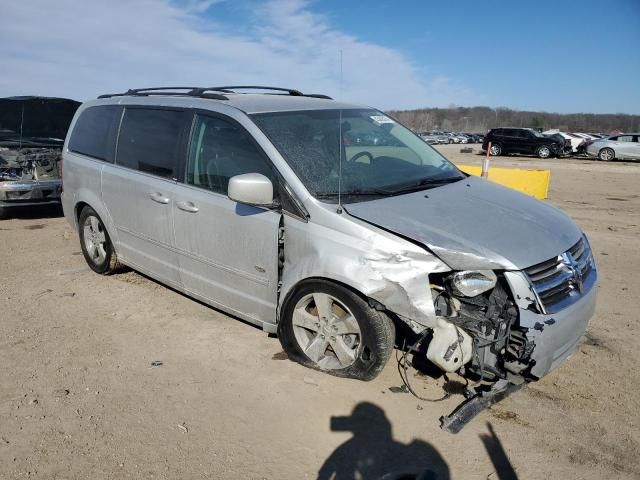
[139, 189]
[228, 252]
[625, 146]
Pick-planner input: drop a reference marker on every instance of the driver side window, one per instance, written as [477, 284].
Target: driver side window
[220, 150]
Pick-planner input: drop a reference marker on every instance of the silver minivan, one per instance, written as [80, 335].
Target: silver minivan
[333, 226]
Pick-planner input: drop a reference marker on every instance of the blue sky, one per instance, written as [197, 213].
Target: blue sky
[563, 56]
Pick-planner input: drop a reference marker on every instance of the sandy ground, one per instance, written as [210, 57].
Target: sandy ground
[79, 397]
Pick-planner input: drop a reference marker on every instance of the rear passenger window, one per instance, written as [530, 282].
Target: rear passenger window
[149, 140]
[94, 133]
[219, 150]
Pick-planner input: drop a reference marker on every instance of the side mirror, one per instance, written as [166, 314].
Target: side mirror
[252, 189]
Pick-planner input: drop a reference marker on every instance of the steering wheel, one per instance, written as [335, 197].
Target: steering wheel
[361, 154]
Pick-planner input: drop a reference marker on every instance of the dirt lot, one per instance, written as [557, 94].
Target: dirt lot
[79, 397]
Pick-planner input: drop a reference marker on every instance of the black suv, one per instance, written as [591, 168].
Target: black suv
[525, 141]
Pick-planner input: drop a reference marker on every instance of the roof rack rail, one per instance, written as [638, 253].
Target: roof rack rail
[214, 93]
[189, 92]
[290, 91]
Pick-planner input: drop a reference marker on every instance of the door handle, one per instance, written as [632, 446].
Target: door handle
[159, 197]
[187, 207]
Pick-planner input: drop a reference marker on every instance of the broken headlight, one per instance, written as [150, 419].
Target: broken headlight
[471, 283]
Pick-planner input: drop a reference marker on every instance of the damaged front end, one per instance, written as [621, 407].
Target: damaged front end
[503, 329]
[29, 176]
[32, 132]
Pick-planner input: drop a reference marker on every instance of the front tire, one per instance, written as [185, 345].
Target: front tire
[606, 154]
[328, 327]
[96, 244]
[543, 152]
[495, 150]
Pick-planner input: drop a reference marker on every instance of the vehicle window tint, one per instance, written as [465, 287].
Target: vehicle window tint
[94, 133]
[149, 140]
[220, 150]
[625, 138]
[521, 133]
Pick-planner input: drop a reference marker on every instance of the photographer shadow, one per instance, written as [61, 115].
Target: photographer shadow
[372, 453]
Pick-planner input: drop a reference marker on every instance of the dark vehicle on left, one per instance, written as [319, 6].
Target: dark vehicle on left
[526, 141]
[32, 132]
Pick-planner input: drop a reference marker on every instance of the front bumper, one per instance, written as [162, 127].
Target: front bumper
[556, 335]
[25, 193]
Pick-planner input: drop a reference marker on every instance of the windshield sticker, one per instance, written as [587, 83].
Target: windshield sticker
[380, 119]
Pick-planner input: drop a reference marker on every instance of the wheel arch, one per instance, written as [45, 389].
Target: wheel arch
[89, 198]
[349, 286]
[608, 148]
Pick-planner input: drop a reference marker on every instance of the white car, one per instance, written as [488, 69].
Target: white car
[586, 136]
[575, 140]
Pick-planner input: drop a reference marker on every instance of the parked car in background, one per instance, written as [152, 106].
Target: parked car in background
[586, 136]
[442, 138]
[574, 140]
[32, 132]
[430, 138]
[462, 137]
[525, 141]
[621, 147]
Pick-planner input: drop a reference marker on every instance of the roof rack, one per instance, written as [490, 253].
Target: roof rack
[290, 91]
[214, 93]
[186, 91]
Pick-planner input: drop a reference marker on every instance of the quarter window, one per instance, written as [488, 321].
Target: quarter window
[94, 133]
[220, 150]
[149, 140]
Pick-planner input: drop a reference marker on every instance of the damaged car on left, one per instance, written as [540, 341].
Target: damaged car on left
[32, 132]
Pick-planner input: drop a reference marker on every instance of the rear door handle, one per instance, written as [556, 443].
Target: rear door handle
[187, 207]
[159, 197]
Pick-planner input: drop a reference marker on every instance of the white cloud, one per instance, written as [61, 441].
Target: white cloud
[79, 49]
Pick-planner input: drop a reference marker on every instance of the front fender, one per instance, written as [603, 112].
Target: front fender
[380, 266]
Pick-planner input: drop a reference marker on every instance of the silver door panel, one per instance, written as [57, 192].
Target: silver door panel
[228, 252]
[141, 208]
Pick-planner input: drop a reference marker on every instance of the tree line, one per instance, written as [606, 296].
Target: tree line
[481, 119]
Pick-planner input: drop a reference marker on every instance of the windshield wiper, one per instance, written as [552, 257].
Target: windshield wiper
[357, 193]
[423, 184]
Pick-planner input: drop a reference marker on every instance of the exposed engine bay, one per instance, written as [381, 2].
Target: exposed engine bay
[478, 335]
[32, 131]
[29, 164]
[486, 333]
[29, 176]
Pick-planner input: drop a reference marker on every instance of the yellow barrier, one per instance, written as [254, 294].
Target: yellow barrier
[531, 182]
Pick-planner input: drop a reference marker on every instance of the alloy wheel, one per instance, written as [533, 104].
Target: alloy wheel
[94, 239]
[326, 331]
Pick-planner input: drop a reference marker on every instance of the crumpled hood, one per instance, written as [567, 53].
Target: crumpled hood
[475, 224]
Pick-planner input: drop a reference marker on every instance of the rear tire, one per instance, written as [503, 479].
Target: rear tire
[4, 213]
[363, 337]
[96, 244]
[543, 152]
[606, 154]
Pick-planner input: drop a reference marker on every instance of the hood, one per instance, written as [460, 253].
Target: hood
[35, 120]
[475, 224]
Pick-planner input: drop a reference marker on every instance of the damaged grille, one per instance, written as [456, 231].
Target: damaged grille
[562, 280]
